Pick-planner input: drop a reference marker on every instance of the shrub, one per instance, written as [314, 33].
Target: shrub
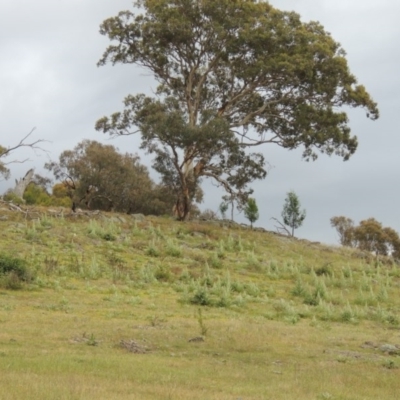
[13, 272]
[163, 274]
[173, 249]
[324, 270]
[201, 297]
[13, 198]
[152, 250]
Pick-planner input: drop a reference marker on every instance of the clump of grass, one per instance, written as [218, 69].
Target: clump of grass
[13, 272]
[156, 232]
[46, 222]
[325, 311]
[392, 319]
[180, 233]
[347, 273]
[153, 250]
[92, 270]
[97, 230]
[229, 243]
[311, 297]
[390, 364]
[238, 287]
[253, 262]
[272, 270]
[383, 294]
[216, 291]
[221, 250]
[135, 229]
[163, 274]
[201, 297]
[324, 270]
[299, 288]
[233, 244]
[215, 262]
[172, 249]
[252, 289]
[147, 274]
[366, 299]
[32, 234]
[91, 340]
[200, 320]
[285, 311]
[348, 314]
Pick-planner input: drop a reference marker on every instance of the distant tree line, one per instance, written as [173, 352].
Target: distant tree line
[369, 235]
[98, 176]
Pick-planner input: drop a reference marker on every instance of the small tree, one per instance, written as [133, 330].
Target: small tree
[345, 229]
[98, 176]
[371, 236]
[223, 208]
[251, 211]
[291, 214]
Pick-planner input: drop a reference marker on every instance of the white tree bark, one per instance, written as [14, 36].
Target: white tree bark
[22, 184]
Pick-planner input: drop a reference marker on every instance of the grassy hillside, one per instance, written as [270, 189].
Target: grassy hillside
[111, 306]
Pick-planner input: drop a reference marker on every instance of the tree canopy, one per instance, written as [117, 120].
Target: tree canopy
[98, 176]
[251, 211]
[291, 213]
[344, 227]
[232, 75]
[369, 235]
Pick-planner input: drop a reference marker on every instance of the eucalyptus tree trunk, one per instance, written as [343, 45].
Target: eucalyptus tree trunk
[184, 198]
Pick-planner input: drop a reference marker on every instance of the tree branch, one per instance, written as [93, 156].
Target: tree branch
[281, 228]
[22, 143]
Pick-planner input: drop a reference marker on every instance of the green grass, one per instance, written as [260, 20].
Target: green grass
[279, 318]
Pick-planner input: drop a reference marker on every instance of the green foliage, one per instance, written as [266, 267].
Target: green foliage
[173, 250]
[163, 274]
[291, 214]
[91, 340]
[390, 364]
[223, 208]
[251, 211]
[12, 197]
[214, 101]
[344, 227]
[201, 297]
[369, 236]
[36, 195]
[98, 176]
[13, 272]
[153, 250]
[324, 270]
[4, 171]
[108, 233]
[200, 320]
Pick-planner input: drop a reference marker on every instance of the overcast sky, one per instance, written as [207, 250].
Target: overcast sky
[49, 80]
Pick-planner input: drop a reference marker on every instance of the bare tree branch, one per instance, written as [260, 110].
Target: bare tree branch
[15, 161]
[32, 145]
[281, 228]
[5, 152]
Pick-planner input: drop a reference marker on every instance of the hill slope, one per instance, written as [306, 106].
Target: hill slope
[133, 307]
